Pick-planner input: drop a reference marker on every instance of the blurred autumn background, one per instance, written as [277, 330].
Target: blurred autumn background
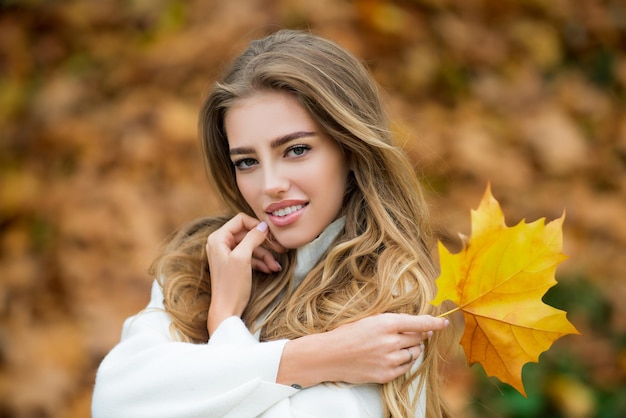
[99, 162]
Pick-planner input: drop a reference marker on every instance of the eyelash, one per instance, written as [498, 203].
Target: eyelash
[298, 147]
[239, 163]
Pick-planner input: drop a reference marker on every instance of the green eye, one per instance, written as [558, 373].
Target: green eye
[244, 163]
[298, 150]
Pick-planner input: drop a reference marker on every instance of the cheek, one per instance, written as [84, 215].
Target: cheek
[340, 177]
[247, 189]
[334, 186]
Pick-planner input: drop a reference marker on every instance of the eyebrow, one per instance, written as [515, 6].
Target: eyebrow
[275, 143]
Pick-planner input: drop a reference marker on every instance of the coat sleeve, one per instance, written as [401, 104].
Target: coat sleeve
[149, 374]
[330, 400]
[340, 400]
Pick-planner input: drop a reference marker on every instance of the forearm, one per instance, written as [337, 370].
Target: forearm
[216, 315]
[306, 361]
[375, 349]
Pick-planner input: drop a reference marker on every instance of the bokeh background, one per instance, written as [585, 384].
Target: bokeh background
[99, 163]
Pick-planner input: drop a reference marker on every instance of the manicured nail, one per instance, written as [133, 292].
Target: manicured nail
[429, 334]
[422, 347]
[280, 268]
[446, 322]
[262, 227]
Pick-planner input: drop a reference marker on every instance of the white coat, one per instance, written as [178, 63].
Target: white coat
[151, 375]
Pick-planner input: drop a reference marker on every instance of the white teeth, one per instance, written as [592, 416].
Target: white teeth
[287, 210]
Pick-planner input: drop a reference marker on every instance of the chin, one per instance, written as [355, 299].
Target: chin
[291, 245]
[292, 242]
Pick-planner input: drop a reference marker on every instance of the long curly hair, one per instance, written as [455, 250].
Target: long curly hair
[380, 262]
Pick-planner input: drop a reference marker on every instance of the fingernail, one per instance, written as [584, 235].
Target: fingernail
[280, 268]
[446, 322]
[422, 347]
[429, 334]
[262, 226]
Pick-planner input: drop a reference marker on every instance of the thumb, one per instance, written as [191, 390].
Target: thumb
[254, 238]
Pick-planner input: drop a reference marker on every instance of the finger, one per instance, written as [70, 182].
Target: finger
[229, 235]
[253, 239]
[264, 256]
[412, 357]
[236, 227]
[414, 339]
[409, 355]
[404, 365]
[260, 266]
[241, 221]
[420, 323]
[273, 244]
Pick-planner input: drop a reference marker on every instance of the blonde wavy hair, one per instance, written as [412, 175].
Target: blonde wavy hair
[380, 262]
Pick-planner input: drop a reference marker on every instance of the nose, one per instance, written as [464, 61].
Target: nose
[275, 182]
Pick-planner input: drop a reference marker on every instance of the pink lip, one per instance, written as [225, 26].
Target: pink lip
[284, 204]
[287, 219]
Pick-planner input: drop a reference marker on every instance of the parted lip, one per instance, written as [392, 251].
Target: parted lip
[284, 204]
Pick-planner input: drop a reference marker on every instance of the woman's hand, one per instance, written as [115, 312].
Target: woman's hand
[375, 349]
[233, 251]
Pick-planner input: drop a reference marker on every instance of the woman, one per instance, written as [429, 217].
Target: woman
[312, 298]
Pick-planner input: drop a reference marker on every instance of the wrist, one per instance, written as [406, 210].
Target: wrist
[215, 317]
[305, 362]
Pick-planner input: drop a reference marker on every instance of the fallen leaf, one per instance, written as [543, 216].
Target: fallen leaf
[497, 281]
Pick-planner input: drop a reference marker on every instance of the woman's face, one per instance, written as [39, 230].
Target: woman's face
[290, 173]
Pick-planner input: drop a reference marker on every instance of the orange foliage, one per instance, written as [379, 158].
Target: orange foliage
[498, 281]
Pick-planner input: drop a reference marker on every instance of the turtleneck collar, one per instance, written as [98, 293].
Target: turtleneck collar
[308, 255]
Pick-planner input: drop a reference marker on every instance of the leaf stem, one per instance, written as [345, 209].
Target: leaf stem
[448, 313]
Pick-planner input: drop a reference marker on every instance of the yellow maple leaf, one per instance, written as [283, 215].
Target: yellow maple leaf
[497, 281]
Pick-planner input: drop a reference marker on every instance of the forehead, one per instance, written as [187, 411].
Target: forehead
[266, 115]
